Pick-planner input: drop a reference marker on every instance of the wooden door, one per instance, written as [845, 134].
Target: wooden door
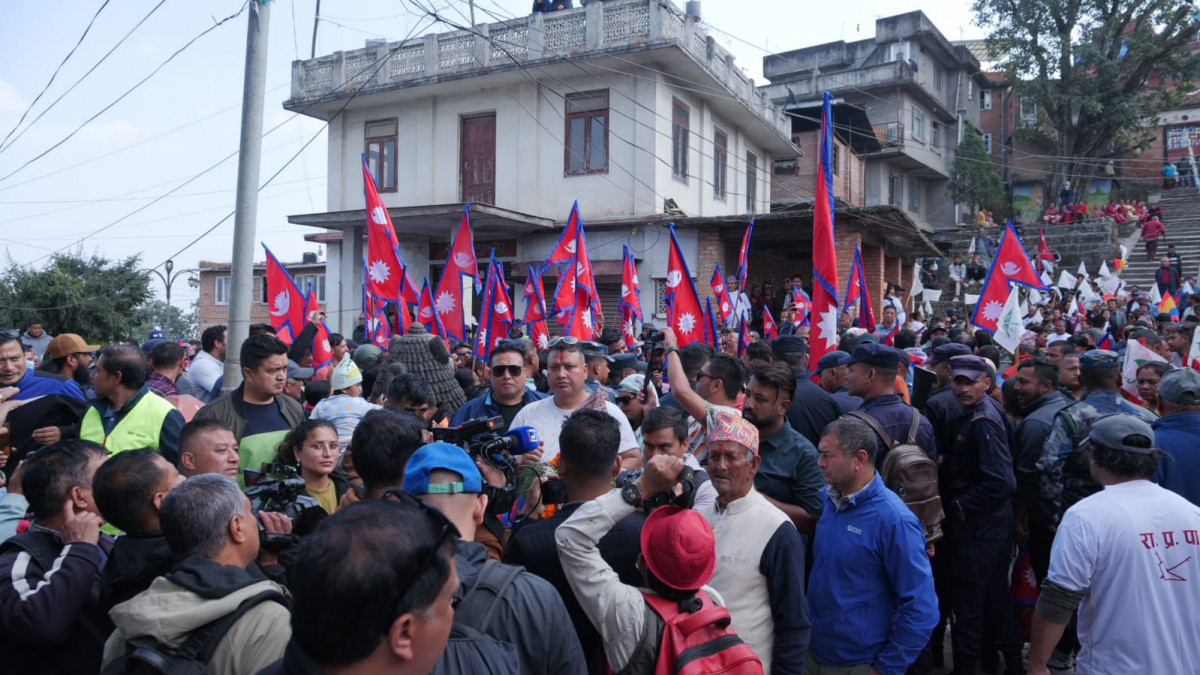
[477, 159]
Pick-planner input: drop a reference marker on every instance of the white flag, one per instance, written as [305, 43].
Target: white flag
[970, 300]
[1124, 252]
[1038, 318]
[1035, 296]
[1067, 281]
[1155, 296]
[1111, 285]
[1047, 279]
[971, 249]
[1104, 273]
[1010, 326]
[932, 295]
[1137, 354]
[928, 307]
[917, 286]
[1082, 271]
[1187, 288]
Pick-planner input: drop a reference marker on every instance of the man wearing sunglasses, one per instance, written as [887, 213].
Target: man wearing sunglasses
[508, 394]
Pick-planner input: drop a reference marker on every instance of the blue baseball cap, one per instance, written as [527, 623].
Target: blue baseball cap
[444, 457]
[877, 355]
[832, 360]
[948, 351]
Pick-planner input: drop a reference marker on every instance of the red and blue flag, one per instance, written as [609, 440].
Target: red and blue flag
[1010, 266]
[285, 299]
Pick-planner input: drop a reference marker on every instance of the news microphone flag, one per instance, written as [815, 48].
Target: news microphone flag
[744, 257]
[1010, 266]
[461, 264]
[630, 305]
[724, 303]
[287, 301]
[825, 302]
[535, 310]
[684, 313]
[385, 271]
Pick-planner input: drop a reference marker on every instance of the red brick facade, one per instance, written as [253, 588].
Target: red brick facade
[800, 185]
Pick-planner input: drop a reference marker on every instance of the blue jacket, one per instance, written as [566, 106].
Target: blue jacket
[39, 383]
[484, 406]
[1179, 436]
[880, 609]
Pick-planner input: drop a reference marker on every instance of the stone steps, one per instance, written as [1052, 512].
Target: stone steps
[1181, 215]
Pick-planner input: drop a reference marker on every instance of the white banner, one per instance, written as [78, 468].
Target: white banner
[1010, 325]
[1067, 280]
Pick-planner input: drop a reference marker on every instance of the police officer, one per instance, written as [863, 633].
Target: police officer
[979, 520]
[941, 407]
[872, 375]
[831, 374]
[598, 363]
[1066, 477]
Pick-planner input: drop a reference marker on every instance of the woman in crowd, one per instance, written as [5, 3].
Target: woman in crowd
[313, 448]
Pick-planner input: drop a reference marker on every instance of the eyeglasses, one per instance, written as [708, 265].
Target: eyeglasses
[501, 371]
[625, 400]
[446, 529]
[700, 375]
[565, 340]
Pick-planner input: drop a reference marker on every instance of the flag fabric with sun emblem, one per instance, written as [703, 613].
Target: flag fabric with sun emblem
[535, 310]
[385, 272]
[498, 315]
[286, 300]
[770, 328]
[856, 289]
[375, 321]
[744, 257]
[684, 313]
[564, 251]
[743, 337]
[630, 305]
[724, 303]
[576, 301]
[825, 313]
[1010, 266]
[448, 299]
[322, 352]
[427, 314]
[802, 304]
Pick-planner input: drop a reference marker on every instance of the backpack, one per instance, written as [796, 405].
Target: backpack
[690, 637]
[470, 649]
[910, 473]
[193, 656]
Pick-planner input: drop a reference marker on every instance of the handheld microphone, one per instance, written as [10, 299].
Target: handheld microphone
[523, 439]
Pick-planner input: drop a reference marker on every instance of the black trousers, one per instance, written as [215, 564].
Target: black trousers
[979, 585]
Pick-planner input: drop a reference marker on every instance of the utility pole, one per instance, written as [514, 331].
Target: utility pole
[246, 206]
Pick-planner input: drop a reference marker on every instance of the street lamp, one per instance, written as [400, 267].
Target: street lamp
[170, 278]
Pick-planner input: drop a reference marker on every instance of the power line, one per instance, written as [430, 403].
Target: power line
[122, 96]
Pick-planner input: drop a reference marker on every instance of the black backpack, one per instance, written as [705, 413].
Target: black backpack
[470, 649]
[193, 656]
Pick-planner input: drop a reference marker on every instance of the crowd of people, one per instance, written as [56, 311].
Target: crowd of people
[736, 508]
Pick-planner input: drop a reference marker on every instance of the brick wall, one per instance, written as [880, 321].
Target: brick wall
[848, 181]
[711, 251]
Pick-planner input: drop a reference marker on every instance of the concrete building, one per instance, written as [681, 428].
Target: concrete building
[917, 90]
[215, 289]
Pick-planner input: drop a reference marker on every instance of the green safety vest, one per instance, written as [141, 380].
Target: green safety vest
[140, 428]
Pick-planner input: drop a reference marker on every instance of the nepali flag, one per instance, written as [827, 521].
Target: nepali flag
[803, 305]
[1010, 266]
[427, 313]
[724, 303]
[498, 316]
[890, 338]
[568, 242]
[1106, 342]
[711, 333]
[684, 313]
[744, 257]
[322, 352]
[449, 298]
[856, 289]
[535, 310]
[576, 300]
[825, 273]
[770, 328]
[385, 271]
[375, 321]
[286, 300]
[630, 305]
[1044, 250]
[410, 299]
[743, 337]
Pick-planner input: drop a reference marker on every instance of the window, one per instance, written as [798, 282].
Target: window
[1029, 113]
[679, 139]
[918, 125]
[587, 133]
[898, 51]
[222, 291]
[785, 167]
[939, 78]
[660, 297]
[894, 189]
[985, 99]
[263, 296]
[751, 181]
[720, 163]
[987, 142]
[381, 153]
[836, 157]
[317, 281]
[935, 138]
[914, 196]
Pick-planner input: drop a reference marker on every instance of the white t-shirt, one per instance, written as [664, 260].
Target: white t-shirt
[204, 372]
[548, 419]
[1134, 548]
[1055, 337]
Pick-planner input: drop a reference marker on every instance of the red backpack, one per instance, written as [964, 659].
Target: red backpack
[691, 637]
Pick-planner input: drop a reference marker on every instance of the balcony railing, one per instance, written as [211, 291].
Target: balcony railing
[573, 33]
[890, 135]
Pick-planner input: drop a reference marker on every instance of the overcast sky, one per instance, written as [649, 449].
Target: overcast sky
[83, 194]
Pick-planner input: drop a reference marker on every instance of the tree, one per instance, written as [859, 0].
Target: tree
[974, 181]
[1093, 69]
[172, 321]
[97, 298]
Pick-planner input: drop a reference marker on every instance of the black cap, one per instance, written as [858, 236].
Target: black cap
[948, 351]
[789, 344]
[832, 360]
[968, 366]
[1099, 359]
[627, 360]
[875, 354]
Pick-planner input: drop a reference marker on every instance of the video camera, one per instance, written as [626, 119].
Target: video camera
[481, 438]
[688, 481]
[279, 488]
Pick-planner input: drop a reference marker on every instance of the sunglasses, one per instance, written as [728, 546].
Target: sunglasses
[446, 531]
[501, 371]
[625, 400]
[565, 340]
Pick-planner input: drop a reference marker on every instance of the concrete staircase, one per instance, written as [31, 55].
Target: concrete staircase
[1181, 215]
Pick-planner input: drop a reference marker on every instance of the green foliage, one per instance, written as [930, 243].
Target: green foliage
[97, 298]
[1093, 71]
[172, 321]
[974, 181]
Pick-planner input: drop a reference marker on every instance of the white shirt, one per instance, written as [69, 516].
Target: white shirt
[548, 419]
[1055, 337]
[1134, 549]
[741, 310]
[204, 372]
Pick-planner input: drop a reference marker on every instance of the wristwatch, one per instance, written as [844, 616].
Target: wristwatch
[632, 494]
[668, 351]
